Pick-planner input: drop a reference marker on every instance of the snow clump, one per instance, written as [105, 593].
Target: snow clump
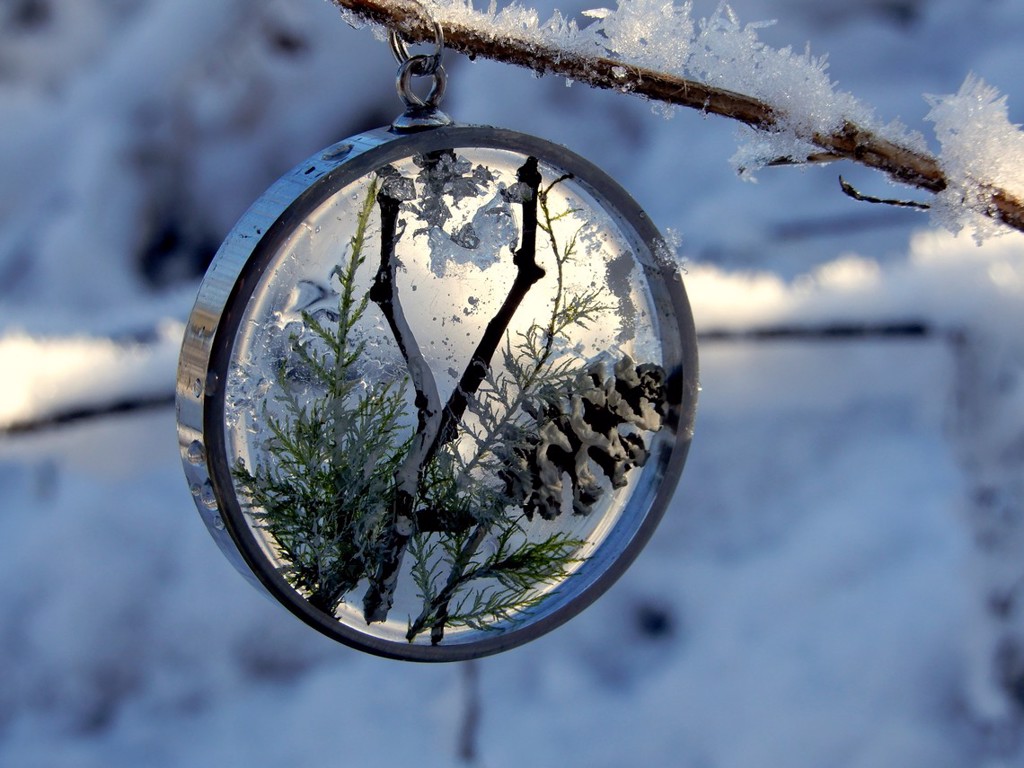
[718, 50]
[981, 150]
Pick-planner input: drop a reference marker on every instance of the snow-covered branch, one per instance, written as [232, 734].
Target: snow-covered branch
[718, 66]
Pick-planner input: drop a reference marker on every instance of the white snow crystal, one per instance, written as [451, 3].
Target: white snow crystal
[651, 33]
[718, 50]
[981, 149]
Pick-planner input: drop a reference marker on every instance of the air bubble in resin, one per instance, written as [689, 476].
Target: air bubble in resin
[212, 382]
[207, 497]
[195, 453]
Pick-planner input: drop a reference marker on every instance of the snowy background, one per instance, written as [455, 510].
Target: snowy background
[836, 583]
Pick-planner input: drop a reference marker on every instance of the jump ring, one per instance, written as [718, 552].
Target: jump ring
[419, 65]
[401, 51]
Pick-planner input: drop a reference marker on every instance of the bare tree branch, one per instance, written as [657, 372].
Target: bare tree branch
[853, 330]
[850, 191]
[851, 142]
[70, 416]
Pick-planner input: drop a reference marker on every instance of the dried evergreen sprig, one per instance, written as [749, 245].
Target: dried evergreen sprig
[322, 493]
[513, 576]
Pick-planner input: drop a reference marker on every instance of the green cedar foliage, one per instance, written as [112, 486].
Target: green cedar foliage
[326, 487]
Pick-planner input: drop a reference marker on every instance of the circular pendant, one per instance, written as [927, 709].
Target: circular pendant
[437, 389]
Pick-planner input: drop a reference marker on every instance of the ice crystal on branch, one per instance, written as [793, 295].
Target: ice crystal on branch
[792, 110]
[718, 50]
[981, 150]
[652, 33]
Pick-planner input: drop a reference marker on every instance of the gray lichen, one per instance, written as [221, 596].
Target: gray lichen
[597, 420]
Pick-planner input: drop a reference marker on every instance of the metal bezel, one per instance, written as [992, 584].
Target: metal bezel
[236, 270]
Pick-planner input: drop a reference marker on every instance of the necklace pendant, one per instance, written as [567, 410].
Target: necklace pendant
[437, 388]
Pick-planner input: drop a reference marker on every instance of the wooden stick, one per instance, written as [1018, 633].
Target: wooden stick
[851, 142]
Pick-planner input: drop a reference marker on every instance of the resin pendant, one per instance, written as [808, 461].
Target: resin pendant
[437, 389]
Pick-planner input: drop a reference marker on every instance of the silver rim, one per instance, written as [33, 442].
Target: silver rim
[213, 324]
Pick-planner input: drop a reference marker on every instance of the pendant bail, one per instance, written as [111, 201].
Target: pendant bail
[420, 112]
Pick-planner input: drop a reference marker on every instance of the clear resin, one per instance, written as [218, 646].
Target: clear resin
[453, 391]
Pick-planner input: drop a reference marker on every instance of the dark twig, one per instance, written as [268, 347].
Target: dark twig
[439, 426]
[850, 142]
[472, 714]
[380, 594]
[852, 331]
[528, 272]
[384, 293]
[851, 191]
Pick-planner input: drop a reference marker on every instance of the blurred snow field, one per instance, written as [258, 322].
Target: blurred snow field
[838, 579]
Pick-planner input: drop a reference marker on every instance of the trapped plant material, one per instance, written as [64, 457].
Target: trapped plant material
[452, 394]
[821, 598]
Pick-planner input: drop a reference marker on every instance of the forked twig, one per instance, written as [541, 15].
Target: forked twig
[850, 191]
[437, 425]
